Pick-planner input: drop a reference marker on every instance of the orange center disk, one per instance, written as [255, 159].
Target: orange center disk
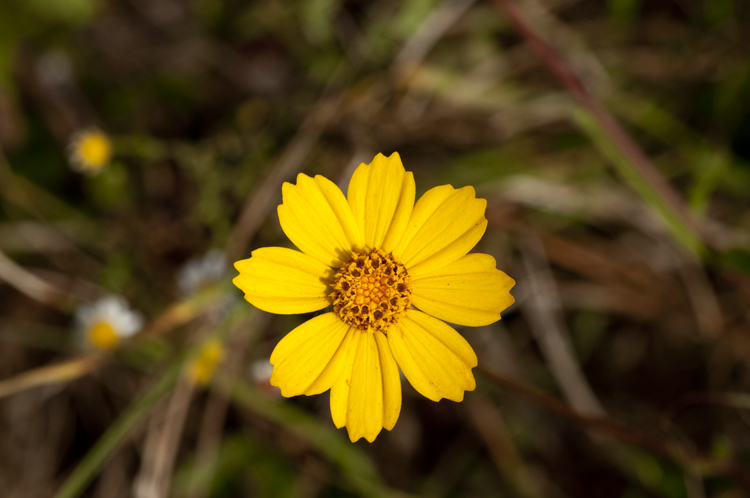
[371, 291]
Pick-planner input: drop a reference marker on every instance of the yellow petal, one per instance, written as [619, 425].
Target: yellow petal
[365, 406]
[305, 352]
[317, 219]
[355, 420]
[343, 212]
[340, 389]
[284, 281]
[469, 291]
[336, 366]
[446, 224]
[435, 359]
[391, 383]
[381, 196]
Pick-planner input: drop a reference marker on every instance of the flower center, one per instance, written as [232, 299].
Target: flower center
[103, 335]
[371, 291]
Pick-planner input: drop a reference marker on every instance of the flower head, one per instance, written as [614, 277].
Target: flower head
[104, 323]
[201, 369]
[392, 270]
[201, 272]
[89, 151]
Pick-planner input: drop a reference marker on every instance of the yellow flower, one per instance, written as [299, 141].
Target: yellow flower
[392, 270]
[202, 367]
[90, 151]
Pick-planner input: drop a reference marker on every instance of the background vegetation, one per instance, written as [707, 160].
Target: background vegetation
[622, 369]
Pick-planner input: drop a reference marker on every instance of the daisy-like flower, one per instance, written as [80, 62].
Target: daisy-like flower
[106, 322]
[392, 272]
[201, 369]
[89, 151]
[199, 273]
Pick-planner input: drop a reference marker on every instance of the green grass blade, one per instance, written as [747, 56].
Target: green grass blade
[86, 470]
[632, 176]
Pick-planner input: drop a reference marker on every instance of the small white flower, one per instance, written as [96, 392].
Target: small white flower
[104, 323]
[199, 273]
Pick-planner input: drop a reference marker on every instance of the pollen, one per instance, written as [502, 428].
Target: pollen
[371, 291]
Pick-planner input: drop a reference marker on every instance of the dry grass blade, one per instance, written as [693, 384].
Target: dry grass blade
[431, 30]
[544, 314]
[162, 442]
[53, 374]
[31, 285]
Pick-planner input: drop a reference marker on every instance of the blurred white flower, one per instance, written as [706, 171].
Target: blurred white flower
[104, 323]
[199, 273]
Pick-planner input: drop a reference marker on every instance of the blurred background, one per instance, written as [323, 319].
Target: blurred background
[143, 144]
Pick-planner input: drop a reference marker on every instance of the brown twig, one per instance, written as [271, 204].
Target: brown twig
[672, 450]
[734, 400]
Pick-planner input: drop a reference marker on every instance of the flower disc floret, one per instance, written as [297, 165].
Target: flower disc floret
[371, 291]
